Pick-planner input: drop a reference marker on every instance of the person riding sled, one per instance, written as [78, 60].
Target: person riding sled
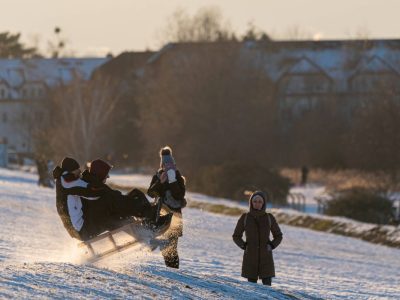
[168, 187]
[87, 206]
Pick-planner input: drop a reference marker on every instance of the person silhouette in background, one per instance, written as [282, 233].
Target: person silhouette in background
[304, 175]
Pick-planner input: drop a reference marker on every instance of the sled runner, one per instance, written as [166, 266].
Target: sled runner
[120, 239]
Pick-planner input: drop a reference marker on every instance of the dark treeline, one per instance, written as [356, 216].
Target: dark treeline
[216, 107]
[221, 115]
[218, 112]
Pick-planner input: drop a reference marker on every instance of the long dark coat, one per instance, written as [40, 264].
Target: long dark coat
[258, 261]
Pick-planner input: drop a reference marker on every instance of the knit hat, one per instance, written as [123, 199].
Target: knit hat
[166, 156]
[69, 164]
[100, 169]
[262, 195]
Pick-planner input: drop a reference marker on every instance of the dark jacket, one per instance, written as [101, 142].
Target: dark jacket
[75, 189]
[258, 261]
[117, 204]
[177, 189]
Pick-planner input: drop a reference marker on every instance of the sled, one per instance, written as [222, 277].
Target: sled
[120, 239]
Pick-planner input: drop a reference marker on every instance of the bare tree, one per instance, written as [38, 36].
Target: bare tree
[195, 107]
[207, 25]
[31, 122]
[316, 138]
[375, 139]
[79, 116]
[297, 32]
[253, 33]
[56, 47]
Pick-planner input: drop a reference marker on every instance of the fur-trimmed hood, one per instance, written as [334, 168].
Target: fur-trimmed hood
[263, 195]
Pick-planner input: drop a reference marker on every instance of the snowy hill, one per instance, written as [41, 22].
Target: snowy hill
[39, 260]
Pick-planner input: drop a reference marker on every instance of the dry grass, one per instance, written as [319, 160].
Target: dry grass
[343, 179]
[379, 234]
[383, 235]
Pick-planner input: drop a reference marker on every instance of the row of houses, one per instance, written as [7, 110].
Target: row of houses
[25, 81]
[307, 73]
[303, 73]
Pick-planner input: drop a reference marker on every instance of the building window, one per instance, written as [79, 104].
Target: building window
[2, 93]
[5, 118]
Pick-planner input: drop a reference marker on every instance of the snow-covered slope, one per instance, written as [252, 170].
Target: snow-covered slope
[39, 260]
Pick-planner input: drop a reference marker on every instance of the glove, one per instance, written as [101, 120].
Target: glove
[270, 246]
[244, 246]
[57, 172]
[171, 175]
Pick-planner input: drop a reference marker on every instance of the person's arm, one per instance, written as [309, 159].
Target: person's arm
[113, 194]
[238, 233]
[155, 189]
[177, 187]
[88, 193]
[276, 233]
[82, 189]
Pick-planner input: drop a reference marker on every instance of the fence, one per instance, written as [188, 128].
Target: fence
[321, 203]
[297, 201]
[396, 210]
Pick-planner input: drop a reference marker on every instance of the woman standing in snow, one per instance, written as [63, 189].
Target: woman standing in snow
[257, 224]
[168, 186]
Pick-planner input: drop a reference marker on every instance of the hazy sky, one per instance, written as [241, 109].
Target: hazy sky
[95, 27]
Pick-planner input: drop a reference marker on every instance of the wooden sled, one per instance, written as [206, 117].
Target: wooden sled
[118, 240]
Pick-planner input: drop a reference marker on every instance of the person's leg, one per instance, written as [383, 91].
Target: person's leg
[170, 253]
[97, 216]
[267, 281]
[134, 203]
[253, 280]
[86, 233]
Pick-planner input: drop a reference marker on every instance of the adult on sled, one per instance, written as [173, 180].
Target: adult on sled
[168, 186]
[87, 206]
[257, 225]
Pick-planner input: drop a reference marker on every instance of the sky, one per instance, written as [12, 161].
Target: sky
[98, 27]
